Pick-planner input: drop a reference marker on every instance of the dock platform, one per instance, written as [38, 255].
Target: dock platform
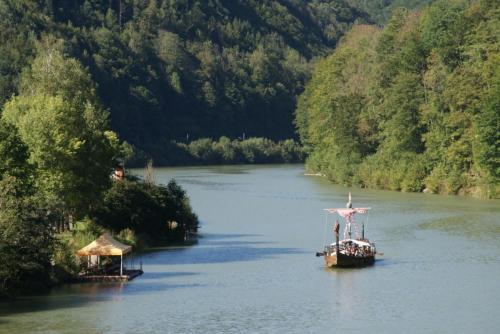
[128, 275]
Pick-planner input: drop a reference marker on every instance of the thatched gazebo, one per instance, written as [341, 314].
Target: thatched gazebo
[105, 245]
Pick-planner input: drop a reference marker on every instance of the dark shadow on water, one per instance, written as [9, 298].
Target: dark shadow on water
[52, 301]
[219, 248]
[215, 248]
[81, 294]
[211, 239]
[214, 254]
[161, 275]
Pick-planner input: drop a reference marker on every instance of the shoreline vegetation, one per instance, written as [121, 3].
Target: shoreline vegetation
[413, 106]
[57, 157]
[224, 151]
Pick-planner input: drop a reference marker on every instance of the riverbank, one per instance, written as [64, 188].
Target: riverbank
[254, 270]
[136, 212]
[224, 151]
[383, 182]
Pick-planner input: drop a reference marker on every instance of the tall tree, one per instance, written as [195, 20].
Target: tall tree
[25, 238]
[59, 117]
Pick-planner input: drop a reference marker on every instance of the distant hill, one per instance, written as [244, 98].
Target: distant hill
[183, 69]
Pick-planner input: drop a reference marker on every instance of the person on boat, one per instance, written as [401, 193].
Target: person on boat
[349, 204]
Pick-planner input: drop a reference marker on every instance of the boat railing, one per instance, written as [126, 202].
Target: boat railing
[351, 250]
[330, 249]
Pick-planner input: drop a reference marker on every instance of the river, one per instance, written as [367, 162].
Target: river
[253, 269]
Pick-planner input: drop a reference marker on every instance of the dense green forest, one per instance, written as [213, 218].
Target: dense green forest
[57, 155]
[412, 106]
[182, 70]
[381, 10]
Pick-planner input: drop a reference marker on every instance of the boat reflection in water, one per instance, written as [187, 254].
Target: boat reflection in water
[349, 252]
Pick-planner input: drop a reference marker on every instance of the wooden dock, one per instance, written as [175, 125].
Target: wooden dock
[128, 275]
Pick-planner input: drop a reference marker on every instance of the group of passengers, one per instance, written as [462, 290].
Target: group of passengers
[351, 248]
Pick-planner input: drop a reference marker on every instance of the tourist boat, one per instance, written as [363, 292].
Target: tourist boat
[349, 252]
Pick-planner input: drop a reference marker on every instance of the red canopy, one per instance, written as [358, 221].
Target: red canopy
[346, 213]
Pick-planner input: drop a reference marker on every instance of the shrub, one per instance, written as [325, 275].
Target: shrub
[145, 209]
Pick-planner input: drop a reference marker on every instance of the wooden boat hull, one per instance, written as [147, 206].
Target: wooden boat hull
[347, 261]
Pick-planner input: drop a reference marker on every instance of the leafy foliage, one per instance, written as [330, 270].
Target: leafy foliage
[165, 69]
[56, 158]
[205, 151]
[59, 118]
[13, 154]
[146, 209]
[412, 106]
[26, 242]
[382, 10]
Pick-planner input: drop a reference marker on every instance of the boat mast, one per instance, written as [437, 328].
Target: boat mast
[347, 215]
[348, 220]
[336, 229]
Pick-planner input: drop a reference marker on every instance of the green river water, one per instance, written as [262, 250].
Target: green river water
[253, 269]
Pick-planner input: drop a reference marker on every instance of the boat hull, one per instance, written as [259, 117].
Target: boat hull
[348, 261]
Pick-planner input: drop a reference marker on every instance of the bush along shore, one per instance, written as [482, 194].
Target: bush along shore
[57, 156]
[223, 151]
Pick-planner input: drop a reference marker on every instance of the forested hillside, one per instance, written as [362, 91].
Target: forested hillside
[412, 106]
[380, 10]
[181, 69]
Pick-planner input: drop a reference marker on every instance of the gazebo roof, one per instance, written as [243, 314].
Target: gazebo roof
[105, 245]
